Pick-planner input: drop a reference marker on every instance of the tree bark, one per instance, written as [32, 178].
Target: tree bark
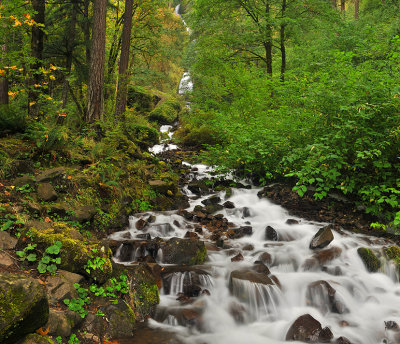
[268, 42]
[356, 8]
[70, 44]
[342, 5]
[123, 72]
[37, 54]
[283, 48]
[95, 98]
[4, 99]
[86, 31]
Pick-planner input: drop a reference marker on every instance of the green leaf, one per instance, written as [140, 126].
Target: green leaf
[45, 260]
[42, 267]
[6, 226]
[31, 257]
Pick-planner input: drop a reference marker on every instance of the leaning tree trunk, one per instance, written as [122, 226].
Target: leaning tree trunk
[37, 54]
[123, 78]
[95, 97]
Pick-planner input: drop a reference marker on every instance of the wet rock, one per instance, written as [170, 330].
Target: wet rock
[238, 312]
[176, 223]
[163, 228]
[266, 258]
[198, 187]
[246, 212]
[21, 167]
[271, 234]
[239, 257]
[23, 307]
[46, 192]
[229, 205]
[292, 222]
[213, 200]
[184, 251]
[307, 329]
[369, 259]
[7, 242]
[146, 335]
[251, 276]
[141, 224]
[220, 243]
[322, 238]
[248, 247]
[144, 236]
[191, 235]
[322, 295]
[151, 219]
[213, 208]
[236, 233]
[392, 325]
[342, 340]
[261, 268]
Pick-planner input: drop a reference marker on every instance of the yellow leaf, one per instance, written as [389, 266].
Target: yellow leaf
[32, 103]
[17, 23]
[37, 85]
[53, 67]
[52, 77]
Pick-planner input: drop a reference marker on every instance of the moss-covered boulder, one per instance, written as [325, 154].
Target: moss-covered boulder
[86, 258]
[145, 136]
[393, 253]
[369, 259]
[142, 99]
[23, 307]
[144, 291]
[164, 113]
[37, 339]
[184, 252]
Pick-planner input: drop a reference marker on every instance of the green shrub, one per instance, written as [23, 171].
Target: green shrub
[165, 113]
[12, 120]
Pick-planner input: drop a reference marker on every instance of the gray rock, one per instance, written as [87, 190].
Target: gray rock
[46, 192]
[322, 238]
[5, 259]
[61, 323]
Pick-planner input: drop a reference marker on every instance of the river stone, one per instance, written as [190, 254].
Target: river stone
[292, 222]
[184, 251]
[198, 187]
[271, 234]
[7, 242]
[46, 192]
[323, 238]
[246, 212]
[229, 205]
[307, 329]
[213, 200]
[322, 295]
[266, 258]
[140, 224]
[342, 340]
[251, 276]
[239, 257]
[23, 307]
[370, 260]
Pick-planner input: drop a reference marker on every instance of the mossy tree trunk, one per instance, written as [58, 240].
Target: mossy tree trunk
[3, 80]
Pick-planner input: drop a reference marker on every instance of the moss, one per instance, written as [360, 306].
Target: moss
[369, 259]
[37, 339]
[165, 113]
[143, 135]
[200, 257]
[393, 253]
[75, 253]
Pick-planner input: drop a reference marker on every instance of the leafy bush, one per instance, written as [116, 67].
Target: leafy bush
[12, 120]
[164, 113]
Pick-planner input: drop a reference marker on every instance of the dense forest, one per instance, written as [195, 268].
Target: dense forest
[132, 134]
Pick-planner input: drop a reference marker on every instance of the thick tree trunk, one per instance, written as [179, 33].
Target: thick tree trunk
[37, 54]
[86, 30]
[283, 48]
[95, 98]
[356, 8]
[123, 72]
[70, 43]
[268, 42]
[4, 99]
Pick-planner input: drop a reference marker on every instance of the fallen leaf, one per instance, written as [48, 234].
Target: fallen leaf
[43, 332]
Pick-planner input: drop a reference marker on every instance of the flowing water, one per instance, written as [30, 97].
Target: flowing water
[231, 310]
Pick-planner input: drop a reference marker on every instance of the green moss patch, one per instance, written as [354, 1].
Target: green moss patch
[369, 259]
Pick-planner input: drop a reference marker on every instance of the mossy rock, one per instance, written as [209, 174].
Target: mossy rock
[164, 113]
[369, 259]
[121, 319]
[393, 253]
[75, 253]
[143, 135]
[194, 136]
[184, 252]
[23, 307]
[142, 99]
[144, 292]
[37, 339]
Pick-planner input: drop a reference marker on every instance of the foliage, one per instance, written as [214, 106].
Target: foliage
[50, 259]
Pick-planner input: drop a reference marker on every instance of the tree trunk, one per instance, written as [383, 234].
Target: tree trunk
[86, 31]
[123, 72]
[4, 100]
[342, 5]
[356, 8]
[70, 52]
[95, 98]
[283, 48]
[268, 41]
[37, 54]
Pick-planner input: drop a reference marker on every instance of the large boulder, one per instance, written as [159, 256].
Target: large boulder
[250, 276]
[322, 238]
[369, 259]
[76, 255]
[23, 307]
[184, 251]
[309, 330]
